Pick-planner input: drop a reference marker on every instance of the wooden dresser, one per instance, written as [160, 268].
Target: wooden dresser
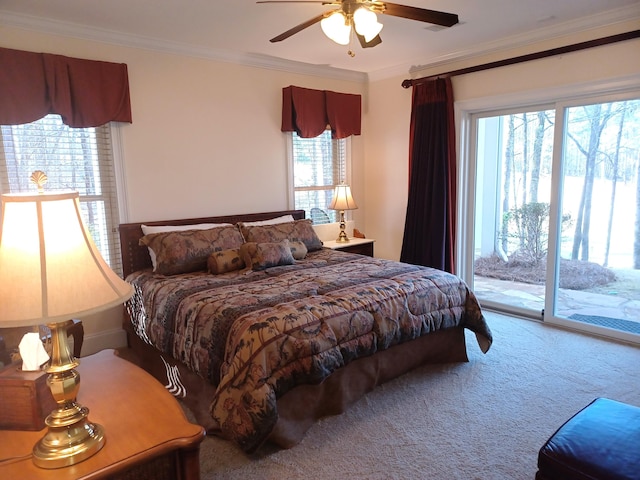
[148, 435]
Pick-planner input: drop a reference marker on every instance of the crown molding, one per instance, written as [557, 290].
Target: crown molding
[526, 39]
[73, 30]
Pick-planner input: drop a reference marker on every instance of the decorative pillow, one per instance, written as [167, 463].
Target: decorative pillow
[225, 261]
[298, 250]
[272, 221]
[147, 229]
[298, 230]
[259, 256]
[188, 250]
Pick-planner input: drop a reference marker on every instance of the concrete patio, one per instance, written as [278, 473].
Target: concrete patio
[570, 302]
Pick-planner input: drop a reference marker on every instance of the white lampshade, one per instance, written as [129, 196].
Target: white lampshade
[50, 269]
[342, 199]
[366, 23]
[335, 27]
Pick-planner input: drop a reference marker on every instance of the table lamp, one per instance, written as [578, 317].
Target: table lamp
[342, 200]
[51, 272]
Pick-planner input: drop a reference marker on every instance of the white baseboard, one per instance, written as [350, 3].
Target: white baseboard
[93, 343]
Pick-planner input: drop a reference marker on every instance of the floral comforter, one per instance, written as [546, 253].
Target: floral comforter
[257, 335]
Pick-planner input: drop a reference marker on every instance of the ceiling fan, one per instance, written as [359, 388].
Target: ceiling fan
[361, 14]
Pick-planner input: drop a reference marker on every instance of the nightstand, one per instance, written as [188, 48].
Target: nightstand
[362, 246]
[148, 435]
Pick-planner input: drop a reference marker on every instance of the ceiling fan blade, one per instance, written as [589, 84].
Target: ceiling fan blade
[374, 41]
[420, 14]
[296, 29]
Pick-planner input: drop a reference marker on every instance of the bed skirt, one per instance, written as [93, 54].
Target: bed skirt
[301, 407]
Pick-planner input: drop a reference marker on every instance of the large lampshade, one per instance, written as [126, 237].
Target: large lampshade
[50, 269]
[50, 273]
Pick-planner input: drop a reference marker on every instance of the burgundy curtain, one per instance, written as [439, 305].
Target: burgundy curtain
[429, 232]
[344, 111]
[308, 112]
[85, 93]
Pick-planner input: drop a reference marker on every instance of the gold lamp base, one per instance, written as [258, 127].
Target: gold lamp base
[342, 237]
[65, 446]
[71, 438]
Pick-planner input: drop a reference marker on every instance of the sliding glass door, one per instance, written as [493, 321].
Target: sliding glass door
[513, 188]
[598, 269]
[556, 224]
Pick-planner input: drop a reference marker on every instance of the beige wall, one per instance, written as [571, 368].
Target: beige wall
[205, 137]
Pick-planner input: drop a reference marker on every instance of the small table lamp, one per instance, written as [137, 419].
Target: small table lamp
[51, 272]
[342, 200]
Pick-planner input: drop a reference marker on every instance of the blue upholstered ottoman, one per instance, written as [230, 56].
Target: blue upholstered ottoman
[601, 441]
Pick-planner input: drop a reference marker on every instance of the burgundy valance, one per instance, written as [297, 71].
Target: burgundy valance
[85, 93]
[308, 112]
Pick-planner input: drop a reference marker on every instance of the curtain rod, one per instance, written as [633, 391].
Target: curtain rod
[528, 57]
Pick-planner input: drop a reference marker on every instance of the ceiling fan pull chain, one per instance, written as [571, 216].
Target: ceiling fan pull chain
[352, 34]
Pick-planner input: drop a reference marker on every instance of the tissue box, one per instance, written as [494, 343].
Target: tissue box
[25, 399]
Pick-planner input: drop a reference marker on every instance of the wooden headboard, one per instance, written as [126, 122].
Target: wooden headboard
[136, 257]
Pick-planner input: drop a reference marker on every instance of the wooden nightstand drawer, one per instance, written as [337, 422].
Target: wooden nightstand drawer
[361, 246]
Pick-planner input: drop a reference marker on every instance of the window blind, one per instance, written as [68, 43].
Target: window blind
[79, 159]
[319, 164]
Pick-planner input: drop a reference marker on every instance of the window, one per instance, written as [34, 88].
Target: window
[318, 165]
[556, 233]
[79, 159]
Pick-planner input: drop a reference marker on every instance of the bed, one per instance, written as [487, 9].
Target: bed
[260, 351]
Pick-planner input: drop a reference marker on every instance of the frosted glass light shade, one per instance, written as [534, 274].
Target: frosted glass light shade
[366, 23]
[50, 269]
[335, 27]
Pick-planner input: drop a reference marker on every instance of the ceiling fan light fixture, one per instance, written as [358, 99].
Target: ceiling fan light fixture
[362, 15]
[336, 27]
[366, 23]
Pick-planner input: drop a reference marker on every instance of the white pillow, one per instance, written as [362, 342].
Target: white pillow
[147, 229]
[272, 221]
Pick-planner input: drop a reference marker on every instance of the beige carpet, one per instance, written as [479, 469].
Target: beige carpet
[485, 419]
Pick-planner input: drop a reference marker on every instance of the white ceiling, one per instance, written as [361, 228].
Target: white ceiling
[239, 30]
